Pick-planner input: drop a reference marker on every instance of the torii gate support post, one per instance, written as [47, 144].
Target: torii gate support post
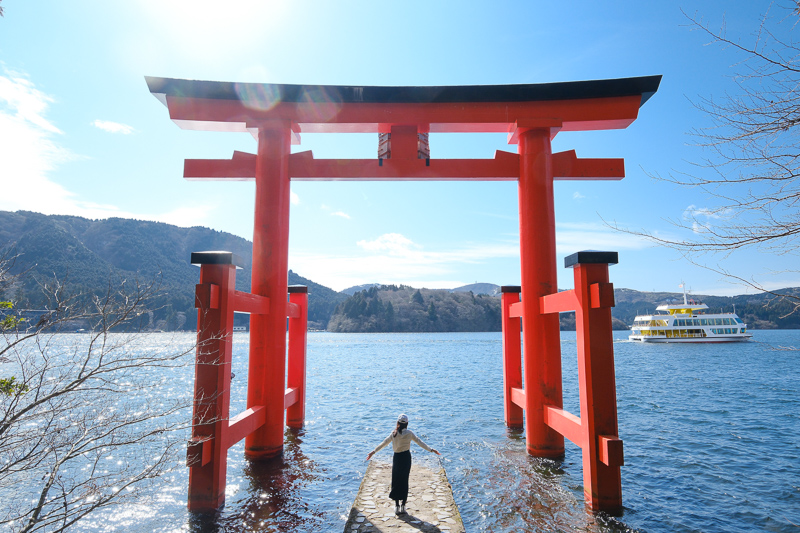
[602, 448]
[207, 454]
[298, 342]
[595, 431]
[266, 383]
[540, 332]
[213, 431]
[513, 394]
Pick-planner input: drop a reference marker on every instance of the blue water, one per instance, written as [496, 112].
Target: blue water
[711, 435]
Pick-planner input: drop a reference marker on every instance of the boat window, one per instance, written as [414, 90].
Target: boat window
[702, 321]
[718, 321]
[744, 330]
[739, 320]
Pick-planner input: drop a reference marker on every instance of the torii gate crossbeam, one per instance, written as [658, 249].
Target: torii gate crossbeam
[531, 115]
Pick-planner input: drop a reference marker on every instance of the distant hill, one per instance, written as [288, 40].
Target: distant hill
[489, 289]
[759, 311]
[390, 308]
[358, 288]
[405, 309]
[87, 253]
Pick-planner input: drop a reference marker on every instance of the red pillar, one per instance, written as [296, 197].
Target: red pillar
[298, 335]
[602, 454]
[512, 357]
[266, 383]
[540, 332]
[207, 454]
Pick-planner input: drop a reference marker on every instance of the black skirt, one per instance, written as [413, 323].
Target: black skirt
[401, 468]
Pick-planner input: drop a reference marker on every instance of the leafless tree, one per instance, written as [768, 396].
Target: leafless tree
[82, 423]
[751, 172]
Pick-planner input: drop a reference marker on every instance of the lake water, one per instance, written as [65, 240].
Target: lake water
[711, 435]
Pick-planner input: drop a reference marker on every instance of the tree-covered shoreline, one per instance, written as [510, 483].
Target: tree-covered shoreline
[89, 254]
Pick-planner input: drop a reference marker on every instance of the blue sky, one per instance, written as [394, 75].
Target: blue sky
[80, 134]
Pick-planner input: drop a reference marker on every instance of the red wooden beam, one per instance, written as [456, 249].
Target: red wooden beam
[290, 397]
[518, 397]
[303, 167]
[610, 450]
[566, 165]
[601, 295]
[559, 302]
[209, 114]
[515, 310]
[244, 302]
[565, 423]
[243, 424]
[292, 310]
[198, 451]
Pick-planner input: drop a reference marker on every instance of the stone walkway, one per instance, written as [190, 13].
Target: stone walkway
[430, 507]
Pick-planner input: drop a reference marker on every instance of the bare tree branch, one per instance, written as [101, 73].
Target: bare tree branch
[85, 426]
[750, 173]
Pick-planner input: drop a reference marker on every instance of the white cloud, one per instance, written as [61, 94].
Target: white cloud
[27, 103]
[694, 215]
[574, 237]
[340, 214]
[577, 196]
[113, 127]
[293, 198]
[694, 212]
[394, 243]
[30, 152]
[397, 259]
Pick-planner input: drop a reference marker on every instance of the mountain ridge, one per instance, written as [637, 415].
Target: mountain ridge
[87, 253]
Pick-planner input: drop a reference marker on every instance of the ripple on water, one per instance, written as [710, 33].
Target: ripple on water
[710, 436]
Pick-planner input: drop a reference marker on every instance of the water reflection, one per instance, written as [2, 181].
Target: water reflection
[269, 498]
[523, 493]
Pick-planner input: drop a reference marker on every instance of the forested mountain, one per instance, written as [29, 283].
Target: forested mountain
[489, 289]
[405, 309]
[759, 311]
[89, 254]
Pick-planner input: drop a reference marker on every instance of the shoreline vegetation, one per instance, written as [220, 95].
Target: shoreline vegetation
[90, 254]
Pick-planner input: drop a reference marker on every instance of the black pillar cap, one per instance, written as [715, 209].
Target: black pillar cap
[591, 257]
[510, 288]
[217, 258]
[294, 289]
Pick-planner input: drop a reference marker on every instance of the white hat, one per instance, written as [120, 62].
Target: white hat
[403, 419]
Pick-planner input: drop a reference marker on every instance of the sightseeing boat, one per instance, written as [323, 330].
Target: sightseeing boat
[688, 322]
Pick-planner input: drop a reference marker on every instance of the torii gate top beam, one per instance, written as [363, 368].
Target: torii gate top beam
[229, 106]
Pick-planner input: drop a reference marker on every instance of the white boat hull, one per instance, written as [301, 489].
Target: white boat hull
[692, 339]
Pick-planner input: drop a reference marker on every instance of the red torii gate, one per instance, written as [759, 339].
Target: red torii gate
[530, 114]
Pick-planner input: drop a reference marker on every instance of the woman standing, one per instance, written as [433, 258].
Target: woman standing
[401, 461]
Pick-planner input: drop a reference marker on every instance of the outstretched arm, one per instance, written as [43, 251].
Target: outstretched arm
[422, 444]
[380, 446]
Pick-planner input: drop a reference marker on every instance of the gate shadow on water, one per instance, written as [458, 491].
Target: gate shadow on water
[269, 498]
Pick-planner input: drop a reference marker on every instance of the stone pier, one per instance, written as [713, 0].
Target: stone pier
[430, 507]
